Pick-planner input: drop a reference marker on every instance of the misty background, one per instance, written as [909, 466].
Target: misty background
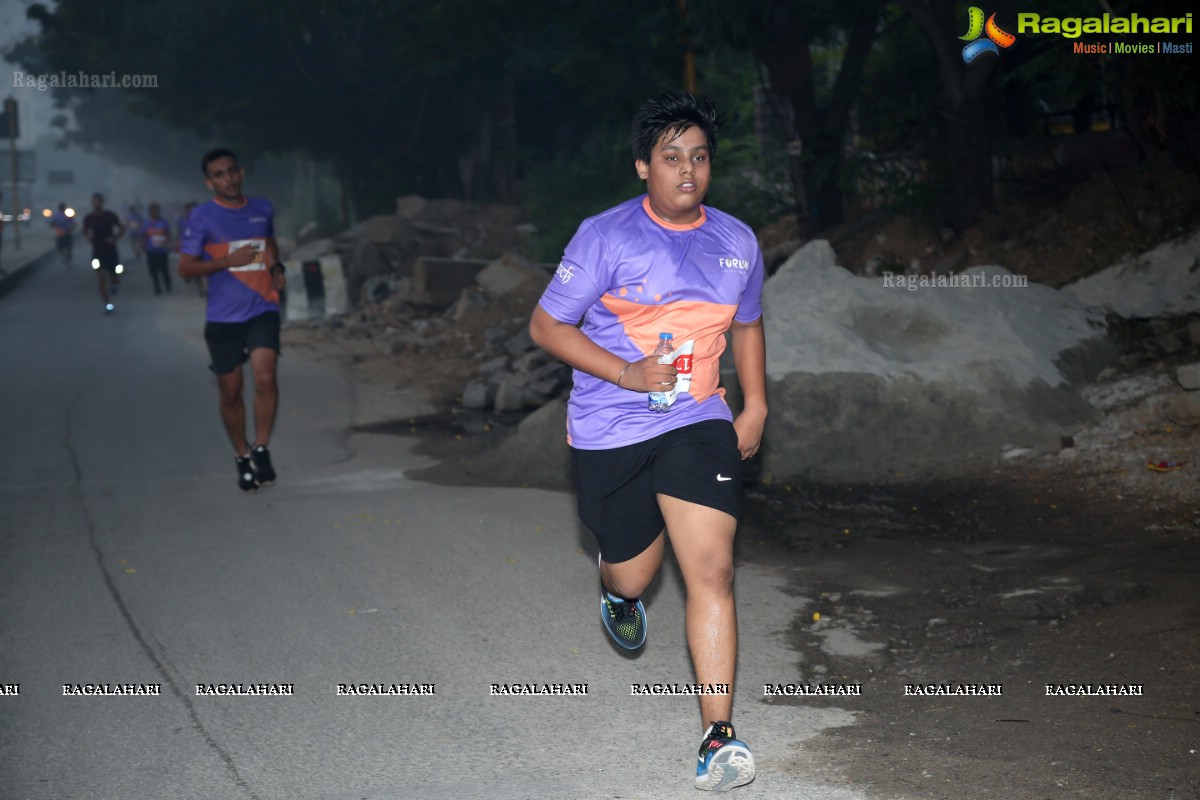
[835, 111]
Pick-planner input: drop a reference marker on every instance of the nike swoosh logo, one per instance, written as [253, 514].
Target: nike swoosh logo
[723, 478]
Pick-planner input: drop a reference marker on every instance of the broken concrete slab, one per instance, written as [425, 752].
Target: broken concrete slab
[1189, 376]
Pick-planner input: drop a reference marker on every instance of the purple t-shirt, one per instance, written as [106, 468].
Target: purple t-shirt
[631, 276]
[156, 234]
[215, 229]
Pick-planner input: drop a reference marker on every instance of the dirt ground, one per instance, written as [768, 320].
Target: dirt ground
[1067, 567]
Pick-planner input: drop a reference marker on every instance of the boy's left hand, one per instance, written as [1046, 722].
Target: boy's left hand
[749, 428]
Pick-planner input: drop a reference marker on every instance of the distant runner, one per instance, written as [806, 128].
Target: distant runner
[63, 227]
[231, 240]
[133, 219]
[102, 228]
[156, 242]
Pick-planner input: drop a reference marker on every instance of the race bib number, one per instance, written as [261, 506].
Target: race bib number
[260, 254]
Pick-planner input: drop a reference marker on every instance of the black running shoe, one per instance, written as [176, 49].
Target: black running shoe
[246, 479]
[625, 620]
[724, 760]
[264, 473]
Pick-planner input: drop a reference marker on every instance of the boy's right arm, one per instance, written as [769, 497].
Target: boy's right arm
[568, 344]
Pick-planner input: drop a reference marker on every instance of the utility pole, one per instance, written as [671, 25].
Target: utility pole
[10, 114]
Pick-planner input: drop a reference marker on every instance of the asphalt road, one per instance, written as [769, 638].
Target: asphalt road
[129, 556]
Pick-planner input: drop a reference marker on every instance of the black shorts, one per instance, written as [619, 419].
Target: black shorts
[63, 242]
[617, 488]
[108, 259]
[230, 343]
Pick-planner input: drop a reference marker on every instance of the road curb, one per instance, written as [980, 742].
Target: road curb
[11, 280]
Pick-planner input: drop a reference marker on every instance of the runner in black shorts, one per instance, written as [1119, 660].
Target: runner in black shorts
[231, 343]
[231, 240]
[619, 488]
[102, 228]
[654, 267]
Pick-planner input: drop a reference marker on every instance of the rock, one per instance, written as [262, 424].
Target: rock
[554, 369]
[534, 398]
[1180, 408]
[537, 450]
[777, 254]
[866, 380]
[495, 365]
[495, 337]
[478, 395]
[410, 206]
[547, 387]
[531, 361]
[1169, 343]
[379, 229]
[1189, 376]
[519, 343]
[1183, 409]
[468, 302]
[312, 250]
[1150, 284]
[1193, 330]
[507, 273]
[497, 378]
[947, 266]
[509, 397]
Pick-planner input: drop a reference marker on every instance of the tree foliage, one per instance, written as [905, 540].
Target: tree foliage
[532, 99]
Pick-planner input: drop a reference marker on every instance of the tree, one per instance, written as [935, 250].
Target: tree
[811, 108]
[962, 138]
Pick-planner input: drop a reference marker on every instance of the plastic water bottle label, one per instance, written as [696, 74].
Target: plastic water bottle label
[681, 358]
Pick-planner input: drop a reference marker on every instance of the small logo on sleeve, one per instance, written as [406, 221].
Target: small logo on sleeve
[564, 273]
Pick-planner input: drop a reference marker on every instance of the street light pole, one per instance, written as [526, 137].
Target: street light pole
[10, 113]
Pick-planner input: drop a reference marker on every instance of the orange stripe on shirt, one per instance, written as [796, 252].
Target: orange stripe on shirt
[705, 323]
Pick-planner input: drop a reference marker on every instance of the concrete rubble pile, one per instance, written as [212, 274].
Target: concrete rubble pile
[382, 254]
[866, 381]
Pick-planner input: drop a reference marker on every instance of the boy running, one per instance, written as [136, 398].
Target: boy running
[665, 263]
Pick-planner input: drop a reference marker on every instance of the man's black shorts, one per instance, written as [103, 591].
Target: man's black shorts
[230, 343]
[108, 259]
[617, 488]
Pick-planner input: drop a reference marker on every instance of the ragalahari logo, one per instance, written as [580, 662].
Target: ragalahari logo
[996, 38]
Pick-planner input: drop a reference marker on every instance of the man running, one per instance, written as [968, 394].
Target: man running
[63, 226]
[657, 264]
[102, 228]
[133, 219]
[231, 240]
[156, 241]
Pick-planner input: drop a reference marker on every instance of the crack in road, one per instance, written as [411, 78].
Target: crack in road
[123, 609]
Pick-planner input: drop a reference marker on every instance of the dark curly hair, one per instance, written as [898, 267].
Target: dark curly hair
[673, 112]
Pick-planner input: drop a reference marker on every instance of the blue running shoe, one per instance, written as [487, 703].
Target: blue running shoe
[725, 761]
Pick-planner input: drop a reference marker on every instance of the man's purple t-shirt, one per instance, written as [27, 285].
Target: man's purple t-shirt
[631, 276]
[215, 229]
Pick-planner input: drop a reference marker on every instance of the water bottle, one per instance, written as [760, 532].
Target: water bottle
[659, 401]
